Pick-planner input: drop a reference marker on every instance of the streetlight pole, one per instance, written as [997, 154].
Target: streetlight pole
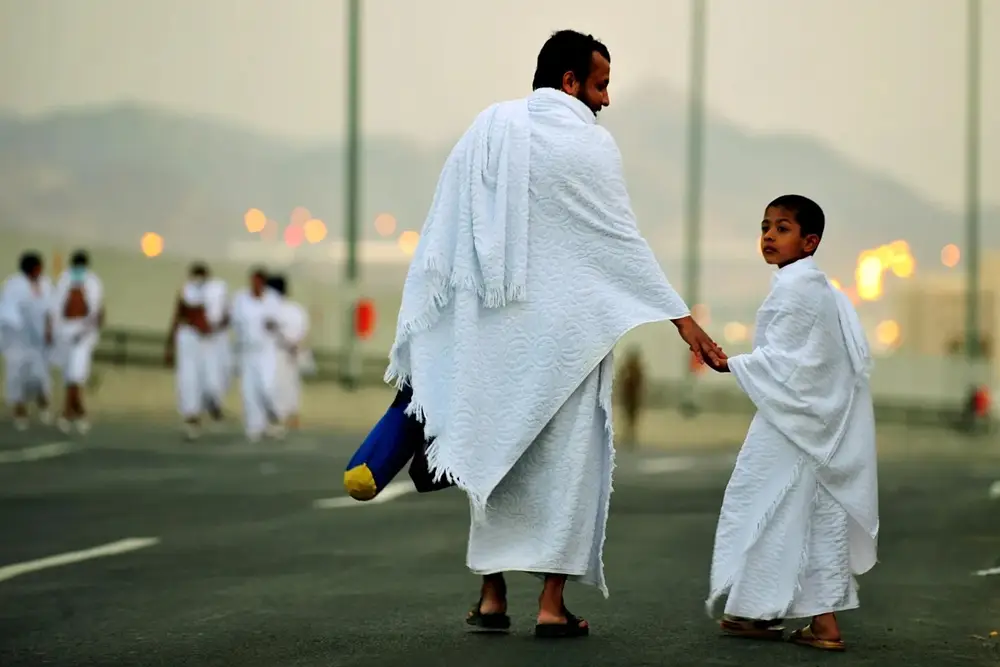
[972, 140]
[351, 360]
[695, 167]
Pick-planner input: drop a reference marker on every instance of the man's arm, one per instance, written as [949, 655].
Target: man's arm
[615, 197]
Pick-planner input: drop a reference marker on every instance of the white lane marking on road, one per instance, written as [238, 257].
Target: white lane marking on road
[110, 549]
[665, 464]
[37, 452]
[987, 573]
[391, 492]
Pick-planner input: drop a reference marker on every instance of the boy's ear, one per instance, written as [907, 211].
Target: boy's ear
[811, 243]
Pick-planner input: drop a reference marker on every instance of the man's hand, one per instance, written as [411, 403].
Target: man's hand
[168, 356]
[704, 348]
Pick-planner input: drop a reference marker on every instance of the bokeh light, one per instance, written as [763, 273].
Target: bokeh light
[735, 332]
[294, 236]
[270, 231]
[255, 220]
[869, 277]
[951, 255]
[385, 224]
[887, 333]
[408, 242]
[300, 216]
[151, 244]
[315, 230]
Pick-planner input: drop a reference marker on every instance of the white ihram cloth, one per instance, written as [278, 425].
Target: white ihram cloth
[800, 514]
[24, 309]
[529, 270]
[293, 326]
[76, 338]
[258, 353]
[218, 344]
[196, 374]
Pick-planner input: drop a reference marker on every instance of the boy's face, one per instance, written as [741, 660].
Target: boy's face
[781, 240]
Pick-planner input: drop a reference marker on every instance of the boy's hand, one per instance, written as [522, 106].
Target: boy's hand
[720, 368]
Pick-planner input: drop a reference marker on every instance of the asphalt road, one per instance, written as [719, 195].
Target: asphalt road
[241, 566]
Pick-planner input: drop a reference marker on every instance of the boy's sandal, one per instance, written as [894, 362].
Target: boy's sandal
[805, 637]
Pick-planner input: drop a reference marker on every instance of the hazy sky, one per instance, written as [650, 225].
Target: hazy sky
[881, 80]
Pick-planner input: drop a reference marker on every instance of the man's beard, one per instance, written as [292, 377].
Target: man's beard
[590, 106]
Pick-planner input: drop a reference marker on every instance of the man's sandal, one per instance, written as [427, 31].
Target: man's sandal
[570, 629]
[493, 621]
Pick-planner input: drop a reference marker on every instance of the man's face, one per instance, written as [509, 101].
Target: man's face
[594, 91]
[257, 283]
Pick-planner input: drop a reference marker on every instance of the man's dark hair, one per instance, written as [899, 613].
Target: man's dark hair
[259, 272]
[278, 284]
[80, 259]
[30, 261]
[199, 270]
[566, 51]
[807, 213]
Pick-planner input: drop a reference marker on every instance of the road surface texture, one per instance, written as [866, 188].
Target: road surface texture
[132, 547]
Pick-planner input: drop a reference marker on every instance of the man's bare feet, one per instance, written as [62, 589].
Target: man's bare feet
[825, 627]
[490, 612]
[554, 620]
[493, 595]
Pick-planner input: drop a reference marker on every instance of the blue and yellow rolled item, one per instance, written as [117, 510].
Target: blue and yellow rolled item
[396, 439]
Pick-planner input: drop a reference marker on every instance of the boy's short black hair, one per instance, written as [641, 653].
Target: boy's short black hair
[808, 213]
[199, 270]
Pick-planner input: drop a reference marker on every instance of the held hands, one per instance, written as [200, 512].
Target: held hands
[702, 346]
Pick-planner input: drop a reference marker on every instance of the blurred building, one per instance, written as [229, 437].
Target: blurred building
[930, 310]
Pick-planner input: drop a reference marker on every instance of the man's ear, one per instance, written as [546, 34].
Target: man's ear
[570, 84]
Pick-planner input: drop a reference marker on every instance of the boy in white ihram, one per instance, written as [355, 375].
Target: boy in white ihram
[800, 514]
[256, 313]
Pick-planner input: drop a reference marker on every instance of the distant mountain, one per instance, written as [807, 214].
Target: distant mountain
[105, 175]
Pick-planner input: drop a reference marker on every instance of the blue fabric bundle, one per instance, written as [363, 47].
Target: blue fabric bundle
[396, 440]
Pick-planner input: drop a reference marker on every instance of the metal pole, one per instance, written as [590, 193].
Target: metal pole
[692, 200]
[972, 326]
[351, 370]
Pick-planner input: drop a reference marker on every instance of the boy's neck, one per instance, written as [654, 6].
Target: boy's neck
[793, 261]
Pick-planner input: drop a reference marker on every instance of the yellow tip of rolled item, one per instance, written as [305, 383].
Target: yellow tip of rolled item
[360, 483]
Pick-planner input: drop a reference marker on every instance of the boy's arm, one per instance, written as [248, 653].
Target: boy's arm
[796, 378]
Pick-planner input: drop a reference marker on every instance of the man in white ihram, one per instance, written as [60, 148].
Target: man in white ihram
[77, 318]
[293, 327]
[256, 312]
[529, 270]
[26, 326]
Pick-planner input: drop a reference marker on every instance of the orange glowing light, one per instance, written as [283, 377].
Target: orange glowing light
[408, 242]
[255, 220]
[151, 244]
[315, 230]
[951, 255]
[385, 224]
